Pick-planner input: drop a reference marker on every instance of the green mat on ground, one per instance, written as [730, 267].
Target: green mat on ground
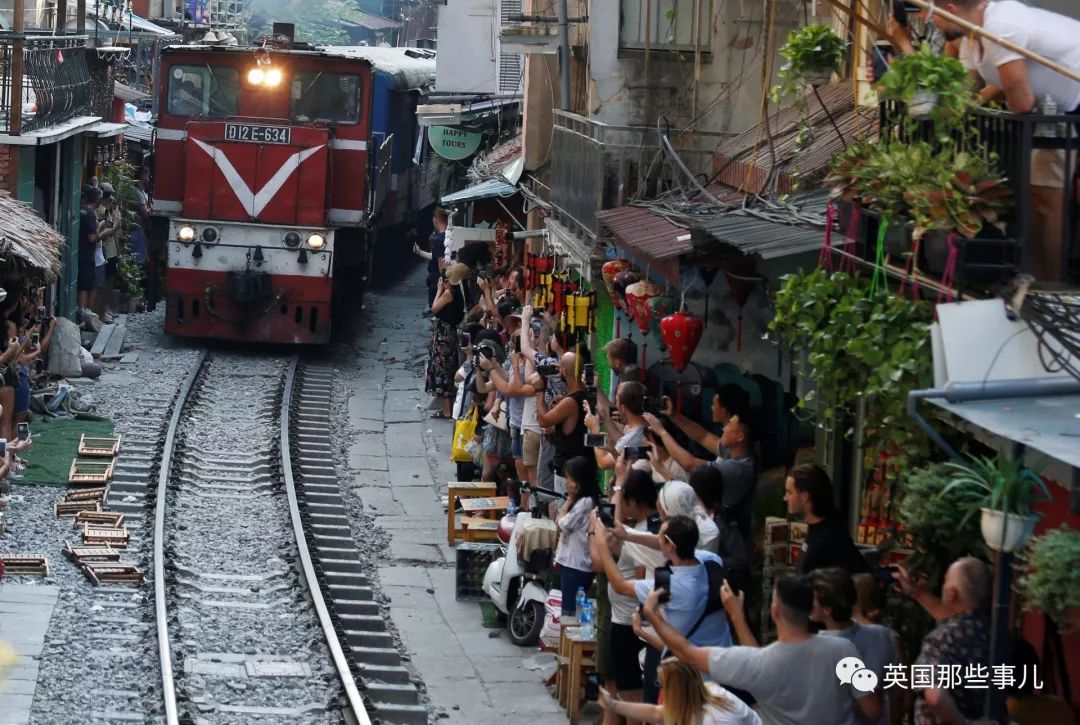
[56, 443]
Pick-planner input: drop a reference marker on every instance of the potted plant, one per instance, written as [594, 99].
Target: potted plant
[1050, 579]
[926, 81]
[927, 518]
[1003, 490]
[813, 54]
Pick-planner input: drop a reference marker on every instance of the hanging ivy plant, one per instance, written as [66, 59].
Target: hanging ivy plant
[858, 346]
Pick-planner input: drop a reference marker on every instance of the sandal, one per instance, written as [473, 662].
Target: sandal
[438, 415]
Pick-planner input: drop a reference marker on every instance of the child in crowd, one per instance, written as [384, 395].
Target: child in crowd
[572, 553]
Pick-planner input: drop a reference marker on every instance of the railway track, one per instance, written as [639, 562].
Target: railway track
[263, 608]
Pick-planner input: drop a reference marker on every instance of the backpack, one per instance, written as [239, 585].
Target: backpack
[732, 548]
[716, 573]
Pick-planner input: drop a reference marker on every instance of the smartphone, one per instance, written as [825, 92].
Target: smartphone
[662, 580]
[637, 453]
[884, 575]
[607, 514]
[464, 339]
[24, 431]
[547, 371]
[536, 324]
[653, 405]
[3, 447]
[592, 687]
[517, 344]
[596, 440]
[590, 375]
[35, 339]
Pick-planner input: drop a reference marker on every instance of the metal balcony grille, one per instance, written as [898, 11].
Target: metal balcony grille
[56, 83]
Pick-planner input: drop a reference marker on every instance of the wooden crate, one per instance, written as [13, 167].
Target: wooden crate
[71, 508]
[90, 472]
[100, 519]
[115, 538]
[112, 573]
[25, 564]
[99, 447]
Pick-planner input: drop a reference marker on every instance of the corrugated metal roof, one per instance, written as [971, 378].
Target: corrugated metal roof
[484, 190]
[755, 233]
[1049, 424]
[410, 67]
[370, 21]
[746, 161]
[647, 233]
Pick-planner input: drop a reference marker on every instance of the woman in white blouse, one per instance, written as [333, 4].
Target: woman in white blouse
[572, 553]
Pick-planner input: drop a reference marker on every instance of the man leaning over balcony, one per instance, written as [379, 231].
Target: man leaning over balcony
[1023, 84]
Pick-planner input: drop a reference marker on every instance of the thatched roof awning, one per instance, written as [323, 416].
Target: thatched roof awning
[26, 239]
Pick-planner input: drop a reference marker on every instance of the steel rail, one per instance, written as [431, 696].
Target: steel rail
[164, 651]
[356, 702]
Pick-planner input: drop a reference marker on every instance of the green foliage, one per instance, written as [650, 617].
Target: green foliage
[1051, 576]
[928, 512]
[128, 271]
[942, 189]
[926, 70]
[858, 347]
[316, 22]
[1001, 483]
[809, 50]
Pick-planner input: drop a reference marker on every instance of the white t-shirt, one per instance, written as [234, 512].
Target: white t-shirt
[1051, 35]
[622, 606]
[738, 713]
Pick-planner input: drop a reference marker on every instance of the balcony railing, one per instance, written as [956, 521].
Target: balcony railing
[595, 166]
[1015, 142]
[49, 87]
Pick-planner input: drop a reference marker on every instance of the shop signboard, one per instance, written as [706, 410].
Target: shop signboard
[453, 144]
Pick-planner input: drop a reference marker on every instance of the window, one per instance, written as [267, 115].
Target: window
[665, 25]
[204, 90]
[319, 97]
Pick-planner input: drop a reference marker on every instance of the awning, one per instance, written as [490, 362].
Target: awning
[26, 238]
[128, 94]
[769, 233]
[651, 239]
[107, 130]
[1048, 424]
[139, 133]
[489, 189]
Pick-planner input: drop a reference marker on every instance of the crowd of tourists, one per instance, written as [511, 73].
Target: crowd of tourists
[672, 569]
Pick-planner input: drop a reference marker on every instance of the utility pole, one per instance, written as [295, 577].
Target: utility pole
[564, 55]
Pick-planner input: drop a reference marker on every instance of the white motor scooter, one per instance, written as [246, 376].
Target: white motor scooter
[518, 588]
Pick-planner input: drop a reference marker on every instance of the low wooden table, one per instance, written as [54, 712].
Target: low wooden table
[480, 529]
[575, 655]
[463, 490]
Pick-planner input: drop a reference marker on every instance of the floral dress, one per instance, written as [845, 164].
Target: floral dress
[444, 355]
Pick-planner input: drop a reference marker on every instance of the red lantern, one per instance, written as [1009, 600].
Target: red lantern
[637, 298]
[681, 332]
[609, 270]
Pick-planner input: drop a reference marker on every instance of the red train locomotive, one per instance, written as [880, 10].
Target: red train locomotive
[277, 168]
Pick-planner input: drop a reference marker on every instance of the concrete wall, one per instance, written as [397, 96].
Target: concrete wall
[730, 88]
[1065, 7]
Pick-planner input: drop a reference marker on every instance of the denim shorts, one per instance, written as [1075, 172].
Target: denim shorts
[517, 448]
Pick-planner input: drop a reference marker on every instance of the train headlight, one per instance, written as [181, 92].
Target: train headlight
[210, 235]
[256, 76]
[316, 241]
[186, 233]
[291, 240]
[273, 78]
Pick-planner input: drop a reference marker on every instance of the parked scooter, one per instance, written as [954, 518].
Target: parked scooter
[518, 588]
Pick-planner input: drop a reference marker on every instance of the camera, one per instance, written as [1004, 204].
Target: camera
[901, 10]
[486, 351]
[884, 575]
[24, 431]
[636, 453]
[590, 375]
[547, 371]
[596, 440]
[662, 580]
[464, 339]
[607, 514]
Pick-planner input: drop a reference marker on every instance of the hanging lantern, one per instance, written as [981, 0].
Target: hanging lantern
[637, 299]
[659, 308]
[741, 285]
[609, 272]
[623, 280]
[681, 332]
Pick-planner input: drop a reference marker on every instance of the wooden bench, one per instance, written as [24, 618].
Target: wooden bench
[480, 529]
[462, 490]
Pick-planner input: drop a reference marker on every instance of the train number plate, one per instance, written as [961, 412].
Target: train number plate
[258, 134]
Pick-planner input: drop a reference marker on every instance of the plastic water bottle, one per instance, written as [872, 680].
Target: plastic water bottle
[586, 620]
[1048, 107]
[511, 508]
[579, 603]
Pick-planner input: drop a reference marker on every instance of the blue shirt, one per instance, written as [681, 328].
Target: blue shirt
[689, 597]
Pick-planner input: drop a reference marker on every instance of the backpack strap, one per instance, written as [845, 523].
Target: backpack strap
[715, 573]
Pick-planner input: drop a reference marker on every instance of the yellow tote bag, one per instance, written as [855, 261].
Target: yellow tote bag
[464, 430]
